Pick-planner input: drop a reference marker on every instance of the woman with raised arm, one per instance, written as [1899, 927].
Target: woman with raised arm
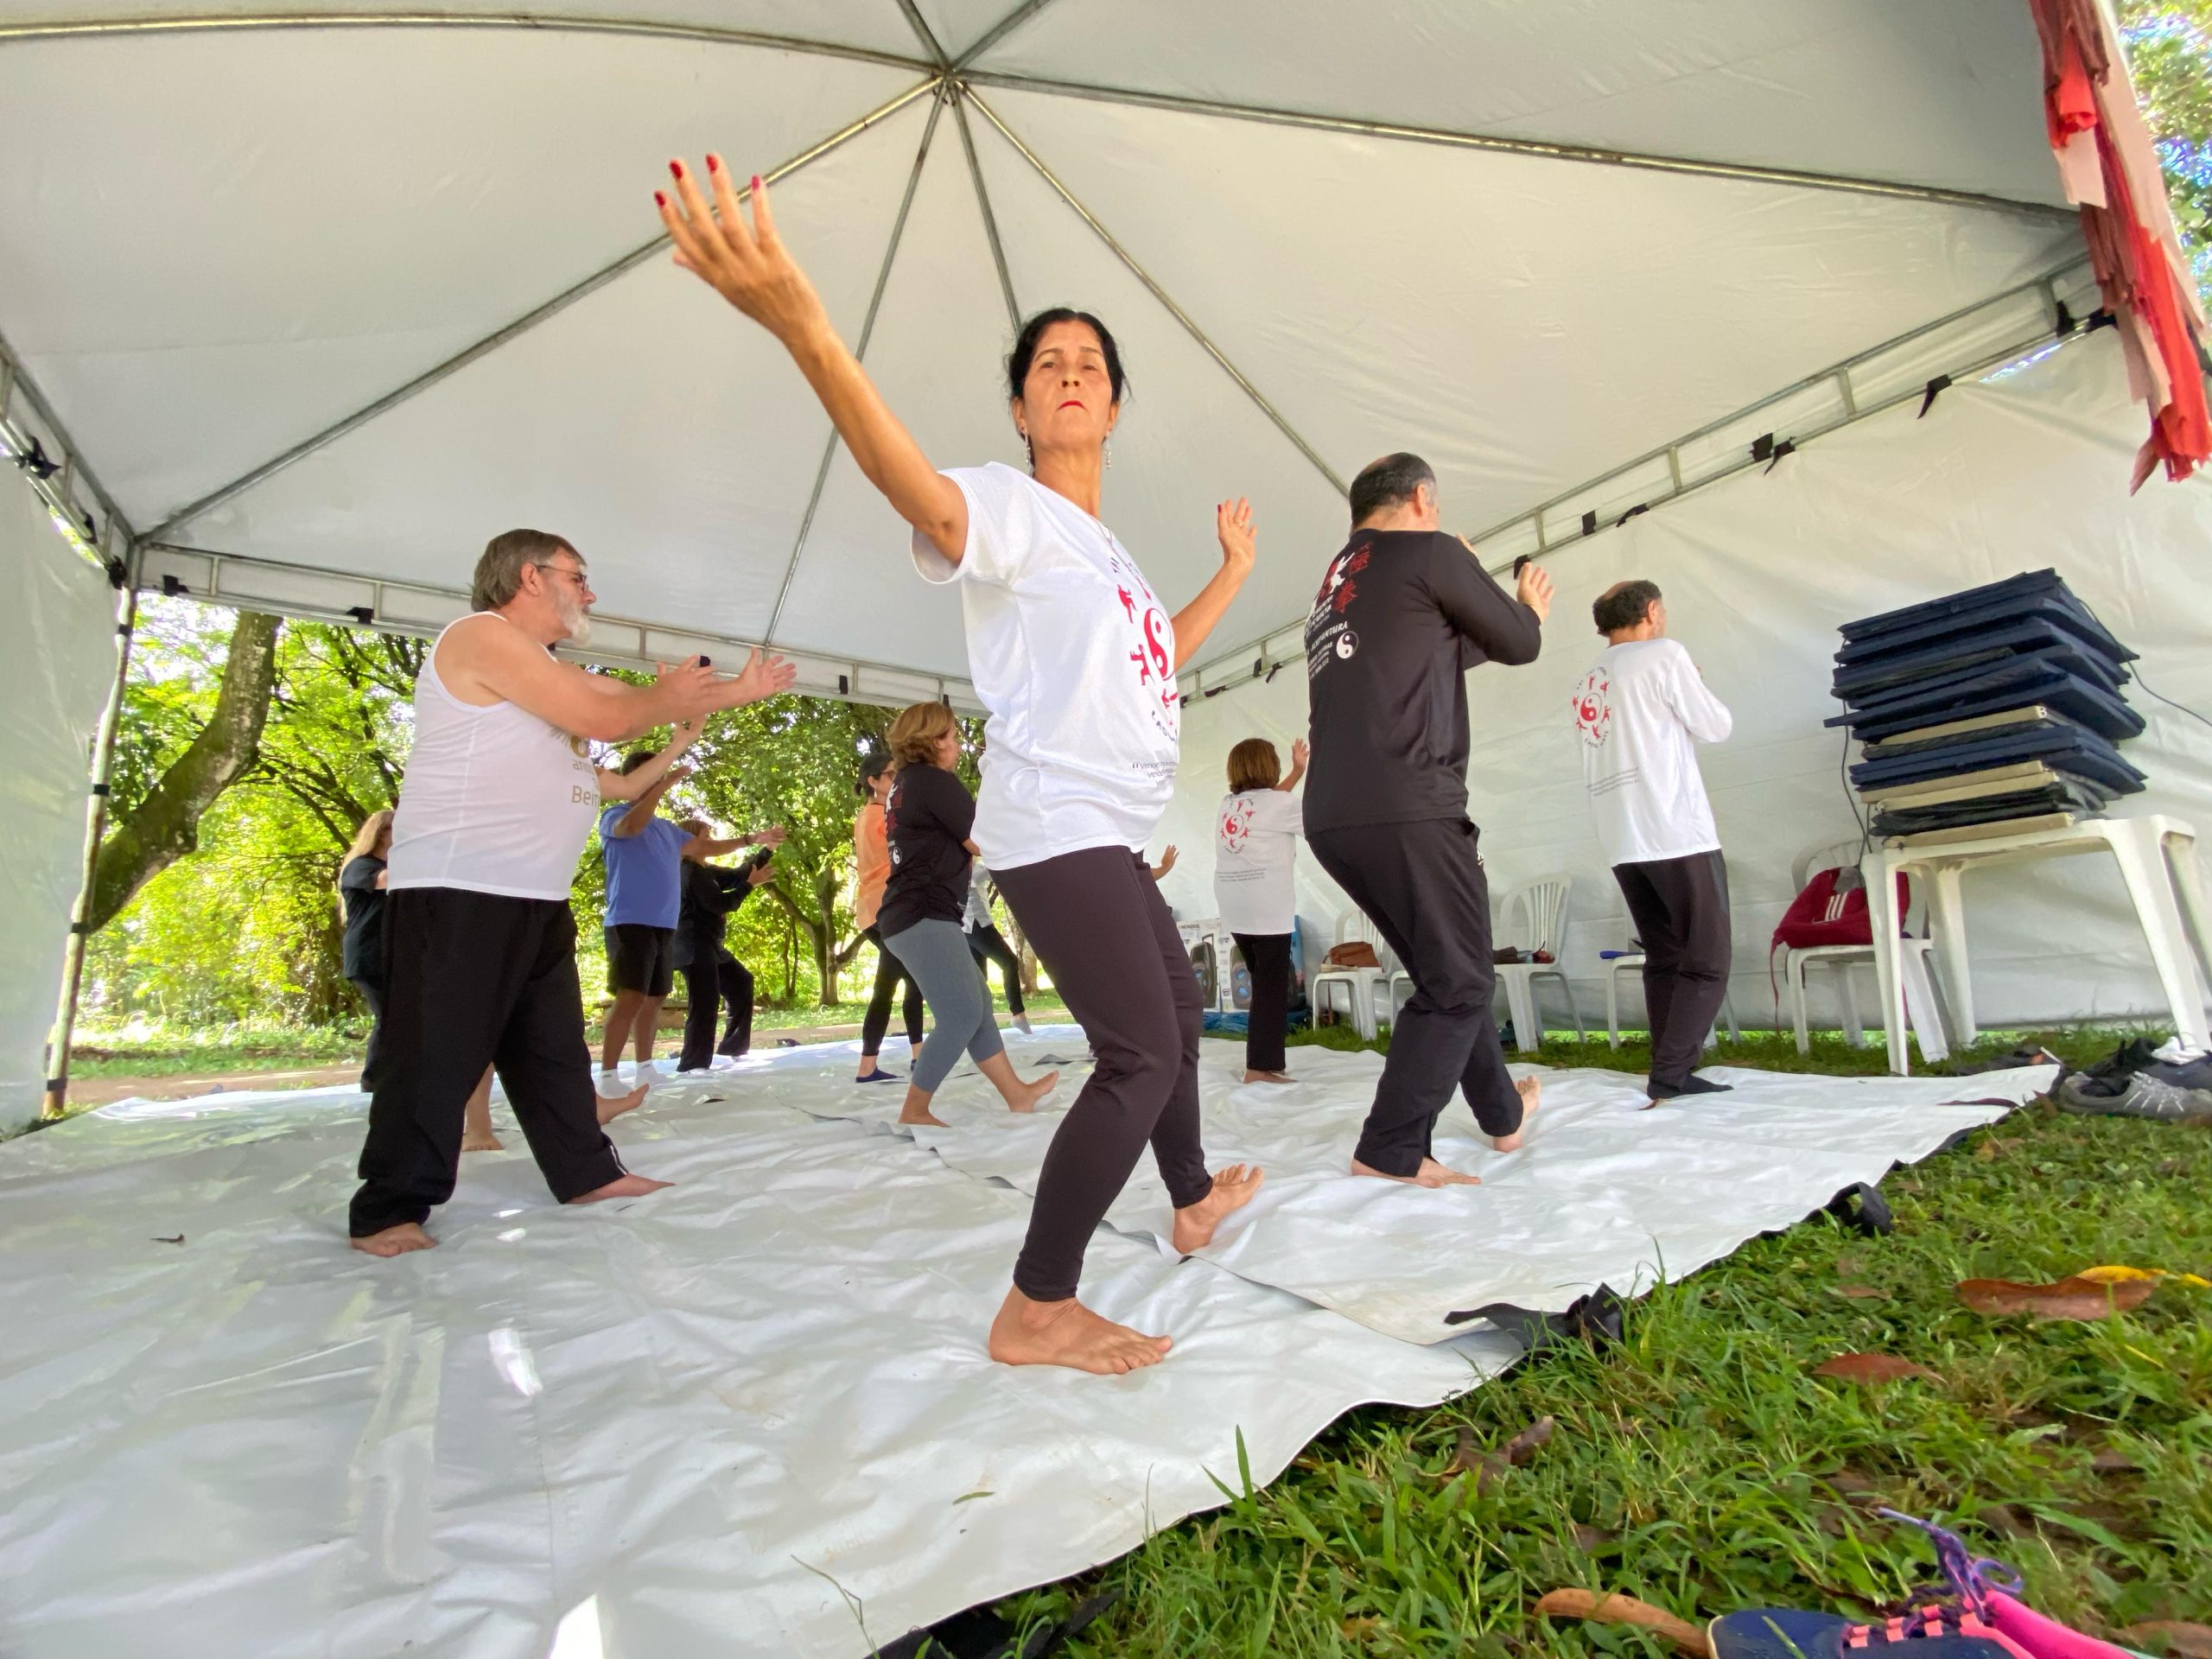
[1075, 660]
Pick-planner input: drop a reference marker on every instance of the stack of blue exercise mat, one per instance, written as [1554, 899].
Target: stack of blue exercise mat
[1987, 712]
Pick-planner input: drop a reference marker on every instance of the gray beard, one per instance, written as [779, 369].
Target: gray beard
[578, 623]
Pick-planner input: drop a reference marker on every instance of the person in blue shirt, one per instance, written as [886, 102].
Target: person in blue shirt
[644, 898]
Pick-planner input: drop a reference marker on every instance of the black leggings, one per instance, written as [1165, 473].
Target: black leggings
[477, 979]
[989, 945]
[1679, 906]
[889, 970]
[1267, 959]
[1098, 922]
[706, 986]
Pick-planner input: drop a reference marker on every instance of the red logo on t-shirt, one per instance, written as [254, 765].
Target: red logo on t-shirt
[1236, 825]
[1594, 706]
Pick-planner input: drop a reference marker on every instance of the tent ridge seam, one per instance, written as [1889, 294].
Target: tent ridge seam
[1539, 149]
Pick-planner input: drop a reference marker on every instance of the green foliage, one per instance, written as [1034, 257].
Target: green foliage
[2170, 57]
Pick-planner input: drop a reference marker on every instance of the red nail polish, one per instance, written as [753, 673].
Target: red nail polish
[714, 162]
[675, 169]
[756, 180]
[659, 198]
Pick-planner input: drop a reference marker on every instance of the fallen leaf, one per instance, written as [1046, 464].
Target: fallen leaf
[1522, 1446]
[1845, 1266]
[179, 1239]
[1872, 1368]
[1359, 1626]
[2111, 1460]
[2122, 1275]
[967, 1497]
[1626, 1610]
[2167, 1636]
[1989, 1147]
[1863, 1293]
[2065, 1299]
[1852, 1484]
[2003, 1517]
[1489, 1467]
[1595, 1541]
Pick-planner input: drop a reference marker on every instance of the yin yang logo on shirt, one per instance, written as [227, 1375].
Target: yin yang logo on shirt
[1594, 708]
[1347, 643]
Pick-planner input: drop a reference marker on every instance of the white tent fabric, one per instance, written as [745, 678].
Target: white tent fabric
[2020, 472]
[53, 682]
[1534, 243]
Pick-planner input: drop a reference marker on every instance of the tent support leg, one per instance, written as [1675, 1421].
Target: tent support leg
[72, 978]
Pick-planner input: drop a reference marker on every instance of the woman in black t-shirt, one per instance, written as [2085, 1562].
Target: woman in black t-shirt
[360, 890]
[926, 821]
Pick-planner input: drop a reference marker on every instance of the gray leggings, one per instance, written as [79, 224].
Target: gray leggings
[936, 953]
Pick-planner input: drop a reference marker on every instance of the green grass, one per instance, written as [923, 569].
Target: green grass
[1041, 1006]
[1701, 1467]
[153, 1051]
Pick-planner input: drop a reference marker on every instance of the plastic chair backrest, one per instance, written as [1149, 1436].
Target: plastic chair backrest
[1535, 915]
[1354, 924]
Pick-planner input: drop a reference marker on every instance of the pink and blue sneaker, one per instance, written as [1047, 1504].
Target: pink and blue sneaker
[1979, 1617]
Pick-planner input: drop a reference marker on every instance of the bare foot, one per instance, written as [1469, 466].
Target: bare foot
[911, 1113]
[483, 1140]
[611, 1108]
[394, 1241]
[1233, 1189]
[1068, 1333]
[1031, 1093]
[622, 1186]
[1531, 1093]
[1268, 1077]
[1431, 1173]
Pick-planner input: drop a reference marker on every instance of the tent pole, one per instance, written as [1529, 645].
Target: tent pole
[998, 31]
[1539, 149]
[521, 325]
[983, 202]
[860, 354]
[1151, 284]
[73, 977]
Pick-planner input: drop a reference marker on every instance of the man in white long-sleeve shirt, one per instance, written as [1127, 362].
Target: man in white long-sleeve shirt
[1641, 712]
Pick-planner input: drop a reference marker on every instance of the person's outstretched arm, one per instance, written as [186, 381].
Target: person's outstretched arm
[504, 664]
[1506, 628]
[619, 786]
[1703, 715]
[749, 266]
[1232, 523]
[1300, 751]
[1167, 863]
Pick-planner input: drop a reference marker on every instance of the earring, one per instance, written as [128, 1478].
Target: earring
[1106, 448]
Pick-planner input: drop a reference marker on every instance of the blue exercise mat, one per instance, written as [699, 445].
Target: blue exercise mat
[2036, 593]
[2057, 743]
[1993, 690]
[2058, 795]
[2040, 637]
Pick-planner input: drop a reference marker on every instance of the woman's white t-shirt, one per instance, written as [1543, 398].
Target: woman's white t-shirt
[1074, 656]
[1255, 847]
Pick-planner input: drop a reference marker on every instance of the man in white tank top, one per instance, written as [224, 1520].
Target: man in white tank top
[480, 948]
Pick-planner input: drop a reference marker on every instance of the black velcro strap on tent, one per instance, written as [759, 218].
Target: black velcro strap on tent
[1762, 445]
[171, 587]
[2065, 324]
[1641, 506]
[844, 686]
[364, 615]
[35, 460]
[2100, 318]
[1862, 1208]
[100, 790]
[1936, 387]
[1590, 523]
[1787, 446]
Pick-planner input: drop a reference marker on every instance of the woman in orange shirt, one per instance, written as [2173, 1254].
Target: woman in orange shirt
[872, 856]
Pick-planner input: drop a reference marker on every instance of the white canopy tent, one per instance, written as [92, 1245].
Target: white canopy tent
[309, 304]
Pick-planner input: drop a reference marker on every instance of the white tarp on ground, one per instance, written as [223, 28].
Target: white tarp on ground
[1764, 188]
[2015, 474]
[692, 1425]
[54, 678]
[1603, 1191]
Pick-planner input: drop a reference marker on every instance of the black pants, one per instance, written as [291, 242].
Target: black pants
[476, 979]
[1679, 906]
[1423, 888]
[1098, 922]
[989, 945]
[1267, 959]
[888, 972]
[373, 994]
[706, 986]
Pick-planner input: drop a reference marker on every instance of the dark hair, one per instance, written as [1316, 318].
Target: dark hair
[499, 572]
[873, 768]
[1386, 482]
[1025, 349]
[632, 760]
[1624, 606]
[1253, 764]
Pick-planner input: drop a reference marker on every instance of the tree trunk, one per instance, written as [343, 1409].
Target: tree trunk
[1022, 954]
[165, 825]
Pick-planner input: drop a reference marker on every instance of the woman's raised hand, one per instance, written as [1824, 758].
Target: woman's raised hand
[748, 266]
[1233, 524]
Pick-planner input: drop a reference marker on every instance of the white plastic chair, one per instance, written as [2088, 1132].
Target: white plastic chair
[1536, 920]
[1359, 986]
[1635, 959]
[1921, 1007]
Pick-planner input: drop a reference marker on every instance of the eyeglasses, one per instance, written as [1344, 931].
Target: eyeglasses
[577, 576]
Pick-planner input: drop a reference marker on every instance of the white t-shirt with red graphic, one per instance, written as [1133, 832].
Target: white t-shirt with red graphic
[1074, 656]
[1641, 713]
[1254, 849]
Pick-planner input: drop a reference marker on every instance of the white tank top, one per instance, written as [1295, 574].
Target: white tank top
[495, 799]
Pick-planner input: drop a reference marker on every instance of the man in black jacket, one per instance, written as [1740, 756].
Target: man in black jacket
[712, 975]
[1403, 613]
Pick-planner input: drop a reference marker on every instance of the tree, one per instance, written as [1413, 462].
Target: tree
[2170, 57]
[159, 824]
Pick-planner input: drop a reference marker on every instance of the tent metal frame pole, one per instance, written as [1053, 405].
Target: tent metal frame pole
[998, 31]
[607, 629]
[1152, 285]
[103, 779]
[213, 24]
[1856, 410]
[924, 33]
[59, 490]
[860, 355]
[520, 325]
[1536, 148]
[983, 203]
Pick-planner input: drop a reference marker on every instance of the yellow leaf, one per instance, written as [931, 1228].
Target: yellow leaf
[2122, 1275]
